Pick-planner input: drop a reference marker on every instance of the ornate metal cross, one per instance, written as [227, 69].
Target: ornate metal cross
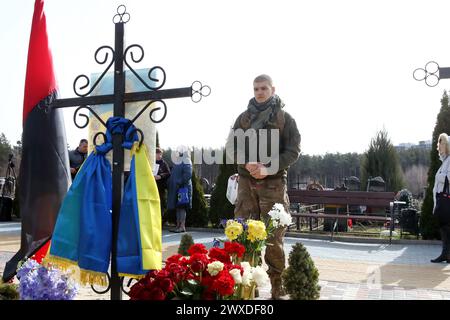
[119, 57]
[432, 74]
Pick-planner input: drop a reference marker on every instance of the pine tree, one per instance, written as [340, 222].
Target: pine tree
[301, 278]
[382, 160]
[220, 207]
[5, 151]
[185, 243]
[429, 227]
[198, 215]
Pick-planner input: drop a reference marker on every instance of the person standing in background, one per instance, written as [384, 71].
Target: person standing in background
[77, 157]
[180, 178]
[162, 176]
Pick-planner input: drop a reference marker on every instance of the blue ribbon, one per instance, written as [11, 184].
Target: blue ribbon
[118, 125]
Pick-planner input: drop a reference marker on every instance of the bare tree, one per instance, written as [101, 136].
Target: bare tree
[416, 179]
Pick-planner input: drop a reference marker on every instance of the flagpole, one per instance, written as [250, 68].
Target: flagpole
[118, 157]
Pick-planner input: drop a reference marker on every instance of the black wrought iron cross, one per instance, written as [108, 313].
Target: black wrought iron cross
[119, 57]
[432, 74]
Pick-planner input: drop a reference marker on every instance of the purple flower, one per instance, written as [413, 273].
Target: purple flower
[26, 267]
[241, 220]
[223, 222]
[40, 283]
[61, 286]
[42, 272]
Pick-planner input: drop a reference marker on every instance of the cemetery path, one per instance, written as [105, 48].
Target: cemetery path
[349, 271]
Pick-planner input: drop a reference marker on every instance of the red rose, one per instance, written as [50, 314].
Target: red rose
[197, 248]
[207, 281]
[219, 254]
[234, 248]
[184, 262]
[152, 273]
[166, 285]
[156, 294]
[145, 295]
[136, 290]
[198, 266]
[176, 272]
[173, 259]
[224, 284]
[140, 291]
[198, 262]
[161, 274]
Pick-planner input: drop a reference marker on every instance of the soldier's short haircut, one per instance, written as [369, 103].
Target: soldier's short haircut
[263, 77]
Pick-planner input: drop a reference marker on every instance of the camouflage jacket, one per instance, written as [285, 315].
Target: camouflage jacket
[288, 140]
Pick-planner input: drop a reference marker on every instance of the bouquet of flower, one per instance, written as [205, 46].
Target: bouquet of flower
[231, 272]
[204, 274]
[253, 234]
[40, 283]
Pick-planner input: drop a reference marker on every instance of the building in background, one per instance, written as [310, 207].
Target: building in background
[424, 144]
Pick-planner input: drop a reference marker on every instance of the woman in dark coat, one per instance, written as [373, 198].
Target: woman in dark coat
[181, 176]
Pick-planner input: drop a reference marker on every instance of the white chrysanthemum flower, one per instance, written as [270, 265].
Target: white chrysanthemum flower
[273, 214]
[247, 277]
[260, 276]
[278, 207]
[285, 219]
[236, 274]
[246, 266]
[280, 218]
[215, 267]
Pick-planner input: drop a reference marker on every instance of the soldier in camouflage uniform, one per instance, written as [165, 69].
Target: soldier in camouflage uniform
[258, 188]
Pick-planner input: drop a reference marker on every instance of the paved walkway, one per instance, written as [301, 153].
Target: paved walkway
[349, 271]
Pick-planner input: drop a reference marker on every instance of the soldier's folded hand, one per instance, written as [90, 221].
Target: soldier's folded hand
[251, 166]
[260, 172]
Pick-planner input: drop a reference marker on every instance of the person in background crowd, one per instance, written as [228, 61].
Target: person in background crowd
[77, 157]
[180, 177]
[161, 178]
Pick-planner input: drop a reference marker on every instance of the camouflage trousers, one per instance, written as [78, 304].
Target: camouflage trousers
[255, 199]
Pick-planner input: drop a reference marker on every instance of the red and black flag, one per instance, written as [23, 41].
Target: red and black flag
[44, 169]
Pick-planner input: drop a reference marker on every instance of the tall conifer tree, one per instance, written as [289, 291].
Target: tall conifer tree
[382, 160]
